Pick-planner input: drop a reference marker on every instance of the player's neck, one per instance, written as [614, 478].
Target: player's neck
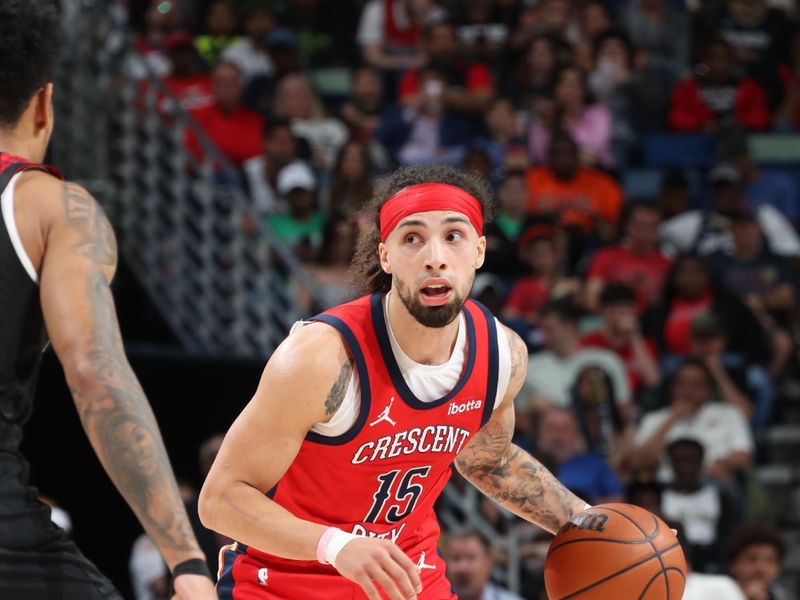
[13, 144]
[423, 345]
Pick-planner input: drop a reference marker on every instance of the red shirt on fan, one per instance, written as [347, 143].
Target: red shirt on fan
[600, 339]
[191, 92]
[474, 77]
[678, 328]
[527, 296]
[644, 273]
[237, 134]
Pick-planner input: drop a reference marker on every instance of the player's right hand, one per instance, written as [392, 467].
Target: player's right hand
[370, 561]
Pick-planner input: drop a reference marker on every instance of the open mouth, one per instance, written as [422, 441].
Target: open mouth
[436, 293]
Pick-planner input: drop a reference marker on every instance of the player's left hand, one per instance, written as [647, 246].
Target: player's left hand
[194, 587]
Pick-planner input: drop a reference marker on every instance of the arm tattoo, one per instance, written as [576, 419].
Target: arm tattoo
[519, 354]
[338, 390]
[514, 479]
[84, 214]
[113, 408]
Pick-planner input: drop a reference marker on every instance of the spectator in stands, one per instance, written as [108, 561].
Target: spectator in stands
[468, 87]
[584, 199]
[251, 53]
[787, 114]
[661, 31]
[637, 261]
[645, 491]
[390, 32]
[351, 185]
[554, 18]
[755, 32]
[715, 97]
[691, 291]
[189, 85]
[719, 427]
[234, 129]
[159, 20]
[483, 28]
[710, 231]
[531, 83]
[221, 24]
[592, 22]
[476, 159]
[590, 125]
[772, 186]
[705, 510]
[324, 32]
[622, 335]
[755, 557]
[279, 149]
[558, 434]
[296, 100]
[674, 194]
[552, 372]
[426, 132]
[504, 142]
[362, 112]
[469, 567]
[302, 226]
[502, 233]
[766, 282]
[541, 253]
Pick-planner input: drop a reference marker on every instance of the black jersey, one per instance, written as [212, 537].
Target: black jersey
[24, 522]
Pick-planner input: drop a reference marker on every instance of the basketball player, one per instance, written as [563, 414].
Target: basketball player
[57, 257]
[329, 476]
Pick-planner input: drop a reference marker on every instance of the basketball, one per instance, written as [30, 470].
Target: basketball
[616, 551]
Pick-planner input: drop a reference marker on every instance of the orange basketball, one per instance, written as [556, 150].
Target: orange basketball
[615, 551]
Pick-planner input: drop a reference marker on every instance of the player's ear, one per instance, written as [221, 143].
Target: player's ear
[43, 108]
[480, 251]
[384, 258]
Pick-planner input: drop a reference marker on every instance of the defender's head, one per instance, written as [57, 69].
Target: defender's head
[29, 46]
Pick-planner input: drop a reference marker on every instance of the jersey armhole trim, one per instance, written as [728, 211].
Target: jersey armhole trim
[7, 201]
[363, 382]
[492, 374]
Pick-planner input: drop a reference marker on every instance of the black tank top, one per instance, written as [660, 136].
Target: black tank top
[24, 522]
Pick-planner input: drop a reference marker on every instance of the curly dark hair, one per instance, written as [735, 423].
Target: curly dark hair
[29, 47]
[366, 267]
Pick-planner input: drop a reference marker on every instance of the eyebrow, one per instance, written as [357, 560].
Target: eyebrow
[420, 223]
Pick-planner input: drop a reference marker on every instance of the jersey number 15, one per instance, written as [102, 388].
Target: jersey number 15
[407, 493]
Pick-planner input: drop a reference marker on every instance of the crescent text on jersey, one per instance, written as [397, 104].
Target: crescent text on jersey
[432, 438]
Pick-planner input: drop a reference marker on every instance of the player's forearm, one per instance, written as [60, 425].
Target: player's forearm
[521, 484]
[121, 427]
[244, 513]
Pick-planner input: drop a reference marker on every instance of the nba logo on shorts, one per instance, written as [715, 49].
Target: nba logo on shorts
[263, 575]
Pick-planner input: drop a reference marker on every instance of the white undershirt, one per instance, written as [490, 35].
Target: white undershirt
[427, 382]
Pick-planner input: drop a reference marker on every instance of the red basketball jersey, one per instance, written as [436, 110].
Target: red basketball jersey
[382, 477]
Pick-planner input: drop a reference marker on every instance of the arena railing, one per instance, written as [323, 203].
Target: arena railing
[180, 219]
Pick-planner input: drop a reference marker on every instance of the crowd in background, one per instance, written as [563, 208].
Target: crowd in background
[661, 319]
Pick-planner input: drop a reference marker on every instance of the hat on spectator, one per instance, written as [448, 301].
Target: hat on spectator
[724, 173]
[296, 175]
[178, 39]
[534, 228]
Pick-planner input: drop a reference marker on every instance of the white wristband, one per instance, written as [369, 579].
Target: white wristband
[336, 542]
[587, 507]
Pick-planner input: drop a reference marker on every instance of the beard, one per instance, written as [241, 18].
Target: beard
[430, 316]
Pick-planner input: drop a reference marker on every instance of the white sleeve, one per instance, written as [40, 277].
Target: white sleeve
[619, 379]
[503, 363]
[728, 589]
[370, 28]
[778, 230]
[678, 233]
[650, 423]
[739, 437]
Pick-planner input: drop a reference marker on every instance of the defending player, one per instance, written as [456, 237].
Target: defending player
[329, 476]
[57, 257]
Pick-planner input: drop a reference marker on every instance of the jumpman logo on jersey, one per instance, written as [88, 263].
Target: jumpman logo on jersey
[384, 416]
[421, 563]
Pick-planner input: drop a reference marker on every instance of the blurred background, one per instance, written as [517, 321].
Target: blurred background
[646, 167]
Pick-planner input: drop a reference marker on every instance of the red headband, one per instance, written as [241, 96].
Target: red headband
[427, 197]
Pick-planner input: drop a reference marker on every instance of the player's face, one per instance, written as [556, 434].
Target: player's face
[432, 258]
